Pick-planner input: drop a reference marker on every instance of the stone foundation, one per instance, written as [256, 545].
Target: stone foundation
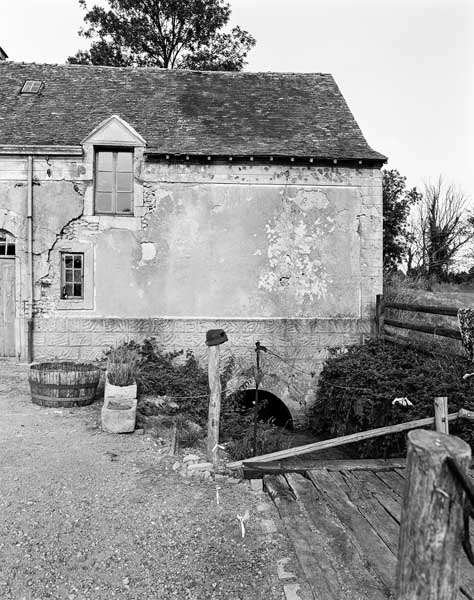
[302, 344]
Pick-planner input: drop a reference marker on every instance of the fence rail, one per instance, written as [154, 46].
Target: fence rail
[382, 321]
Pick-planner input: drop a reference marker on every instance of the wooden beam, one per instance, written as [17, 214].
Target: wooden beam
[214, 405]
[441, 414]
[432, 518]
[379, 315]
[42, 150]
[279, 467]
[342, 441]
[450, 311]
[448, 332]
[411, 343]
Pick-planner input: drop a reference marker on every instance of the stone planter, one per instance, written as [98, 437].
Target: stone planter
[120, 408]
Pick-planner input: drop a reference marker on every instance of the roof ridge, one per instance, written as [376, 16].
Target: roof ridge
[161, 69]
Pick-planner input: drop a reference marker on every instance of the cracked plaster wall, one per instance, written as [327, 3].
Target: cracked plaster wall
[232, 242]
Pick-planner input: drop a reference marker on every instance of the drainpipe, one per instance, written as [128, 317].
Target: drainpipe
[29, 218]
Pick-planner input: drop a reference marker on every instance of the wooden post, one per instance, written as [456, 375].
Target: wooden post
[432, 518]
[379, 315]
[214, 404]
[441, 414]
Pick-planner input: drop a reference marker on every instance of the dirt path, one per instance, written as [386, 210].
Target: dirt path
[86, 515]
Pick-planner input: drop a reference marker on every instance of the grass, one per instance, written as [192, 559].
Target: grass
[122, 365]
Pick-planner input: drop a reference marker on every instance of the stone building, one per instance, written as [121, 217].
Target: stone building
[146, 202]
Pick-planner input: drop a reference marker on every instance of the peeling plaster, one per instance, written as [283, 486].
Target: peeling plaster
[293, 254]
[148, 252]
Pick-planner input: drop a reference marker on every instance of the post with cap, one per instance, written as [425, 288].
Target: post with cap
[214, 338]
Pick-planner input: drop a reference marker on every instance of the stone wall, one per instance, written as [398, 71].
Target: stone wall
[302, 344]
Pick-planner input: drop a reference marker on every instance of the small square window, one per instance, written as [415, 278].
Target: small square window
[114, 182]
[31, 86]
[72, 275]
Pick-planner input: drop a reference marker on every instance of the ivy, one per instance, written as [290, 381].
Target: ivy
[356, 390]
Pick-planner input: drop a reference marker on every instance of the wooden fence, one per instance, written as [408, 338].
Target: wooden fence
[382, 321]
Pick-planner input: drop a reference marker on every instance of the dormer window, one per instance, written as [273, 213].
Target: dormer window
[114, 182]
[31, 86]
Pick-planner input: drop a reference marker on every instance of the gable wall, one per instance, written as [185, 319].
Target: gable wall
[287, 255]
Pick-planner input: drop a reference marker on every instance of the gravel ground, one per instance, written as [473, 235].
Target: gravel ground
[90, 515]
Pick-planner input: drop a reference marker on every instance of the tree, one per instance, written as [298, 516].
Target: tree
[170, 34]
[397, 203]
[441, 228]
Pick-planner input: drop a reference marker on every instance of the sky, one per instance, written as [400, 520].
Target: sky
[405, 67]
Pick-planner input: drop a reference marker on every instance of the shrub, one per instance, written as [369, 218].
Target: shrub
[270, 438]
[179, 376]
[356, 390]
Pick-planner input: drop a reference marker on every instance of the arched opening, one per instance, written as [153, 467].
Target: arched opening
[7, 244]
[271, 408]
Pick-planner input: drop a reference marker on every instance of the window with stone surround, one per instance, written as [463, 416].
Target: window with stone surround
[76, 276]
[113, 182]
[72, 275]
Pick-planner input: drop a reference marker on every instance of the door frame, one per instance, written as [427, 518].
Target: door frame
[12, 259]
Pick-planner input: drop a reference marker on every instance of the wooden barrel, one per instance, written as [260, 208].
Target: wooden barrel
[63, 384]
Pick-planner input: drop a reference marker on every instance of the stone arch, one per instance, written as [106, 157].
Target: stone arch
[272, 407]
[276, 387]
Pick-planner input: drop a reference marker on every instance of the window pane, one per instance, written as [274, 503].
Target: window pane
[77, 289]
[124, 202]
[68, 261]
[124, 161]
[11, 250]
[78, 262]
[104, 161]
[68, 275]
[2, 249]
[103, 201]
[105, 181]
[124, 182]
[68, 289]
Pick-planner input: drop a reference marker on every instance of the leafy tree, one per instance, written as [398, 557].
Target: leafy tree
[397, 203]
[170, 34]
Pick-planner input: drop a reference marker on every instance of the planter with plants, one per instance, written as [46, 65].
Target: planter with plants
[120, 392]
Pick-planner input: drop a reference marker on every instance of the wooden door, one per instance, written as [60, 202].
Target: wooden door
[7, 307]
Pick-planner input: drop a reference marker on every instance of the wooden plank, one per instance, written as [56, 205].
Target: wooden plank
[341, 441]
[7, 307]
[393, 480]
[450, 311]
[441, 414]
[381, 559]
[337, 552]
[379, 314]
[448, 332]
[412, 343]
[385, 526]
[369, 464]
[388, 498]
[320, 575]
[255, 469]
[278, 489]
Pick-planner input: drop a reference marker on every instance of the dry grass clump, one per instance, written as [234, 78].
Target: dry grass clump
[122, 365]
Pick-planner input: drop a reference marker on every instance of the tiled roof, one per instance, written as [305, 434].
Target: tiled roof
[178, 112]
